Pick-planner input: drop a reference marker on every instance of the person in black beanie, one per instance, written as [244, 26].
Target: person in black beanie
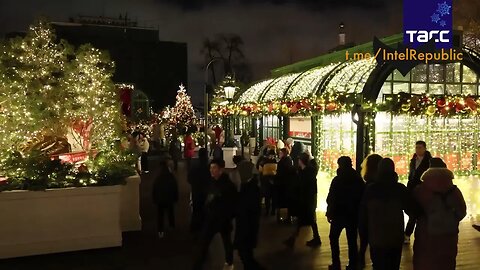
[343, 201]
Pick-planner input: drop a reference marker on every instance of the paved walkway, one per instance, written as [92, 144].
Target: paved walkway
[143, 251]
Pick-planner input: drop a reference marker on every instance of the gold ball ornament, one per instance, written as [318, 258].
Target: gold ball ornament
[406, 107]
[431, 110]
[331, 106]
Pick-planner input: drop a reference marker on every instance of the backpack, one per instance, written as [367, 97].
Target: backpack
[441, 215]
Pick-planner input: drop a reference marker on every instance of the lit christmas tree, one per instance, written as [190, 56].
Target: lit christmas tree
[48, 90]
[182, 116]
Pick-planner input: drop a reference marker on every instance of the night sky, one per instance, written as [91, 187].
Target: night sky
[275, 32]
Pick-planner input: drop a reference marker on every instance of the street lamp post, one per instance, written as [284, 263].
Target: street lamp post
[229, 94]
[205, 101]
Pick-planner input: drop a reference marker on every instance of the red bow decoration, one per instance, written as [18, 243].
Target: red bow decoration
[83, 128]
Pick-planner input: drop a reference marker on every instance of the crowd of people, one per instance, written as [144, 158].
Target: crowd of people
[369, 204]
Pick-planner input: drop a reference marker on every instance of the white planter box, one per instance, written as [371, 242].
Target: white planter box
[60, 220]
[130, 219]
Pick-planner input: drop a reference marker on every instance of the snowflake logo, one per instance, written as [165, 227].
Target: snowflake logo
[443, 23]
[443, 8]
[435, 17]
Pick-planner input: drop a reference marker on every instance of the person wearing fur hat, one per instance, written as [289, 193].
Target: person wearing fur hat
[443, 207]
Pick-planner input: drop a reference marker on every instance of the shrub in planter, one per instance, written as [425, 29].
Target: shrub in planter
[37, 171]
[111, 168]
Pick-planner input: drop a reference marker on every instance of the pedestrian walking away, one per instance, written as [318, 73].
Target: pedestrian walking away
[189, 149]
[199, 179]
[368, 173]
[381, 216]
[175, 150]
[285, 174]
[165, 195]
[268, 170]
[247, 223]
[307, 202]
[443, 207]
[343, 201]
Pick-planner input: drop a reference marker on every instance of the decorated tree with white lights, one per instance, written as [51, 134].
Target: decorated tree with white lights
[182, 116]
[49, 91]
[95, 116]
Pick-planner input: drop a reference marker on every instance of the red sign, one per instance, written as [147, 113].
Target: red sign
[300, 134]
[73, 157]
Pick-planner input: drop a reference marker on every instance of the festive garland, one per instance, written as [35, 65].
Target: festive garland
[328, 104]
[441, 105]
[402, 103]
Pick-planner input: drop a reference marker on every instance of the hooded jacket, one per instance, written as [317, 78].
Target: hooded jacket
[381, 212]
[436, 251]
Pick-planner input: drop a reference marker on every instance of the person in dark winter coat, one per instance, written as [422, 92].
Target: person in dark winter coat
[199, 179]
[418, 165]
[368, 173]
[220, 211]
[165, 195]
[435, 246]
[247, 223]
[285, 174]
[297, 149]
[307, 203]
[268, 170]
[343, 201]
[175, 151]
[381, 215]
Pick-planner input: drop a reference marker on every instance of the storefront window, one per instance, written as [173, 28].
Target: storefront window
[419, 88]
[454, 89]
[271, 127]
[435, 89]
[469, 89]
[468, 75]
[400, 87]
[453, 72]
[436, 73]
[419, 73]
